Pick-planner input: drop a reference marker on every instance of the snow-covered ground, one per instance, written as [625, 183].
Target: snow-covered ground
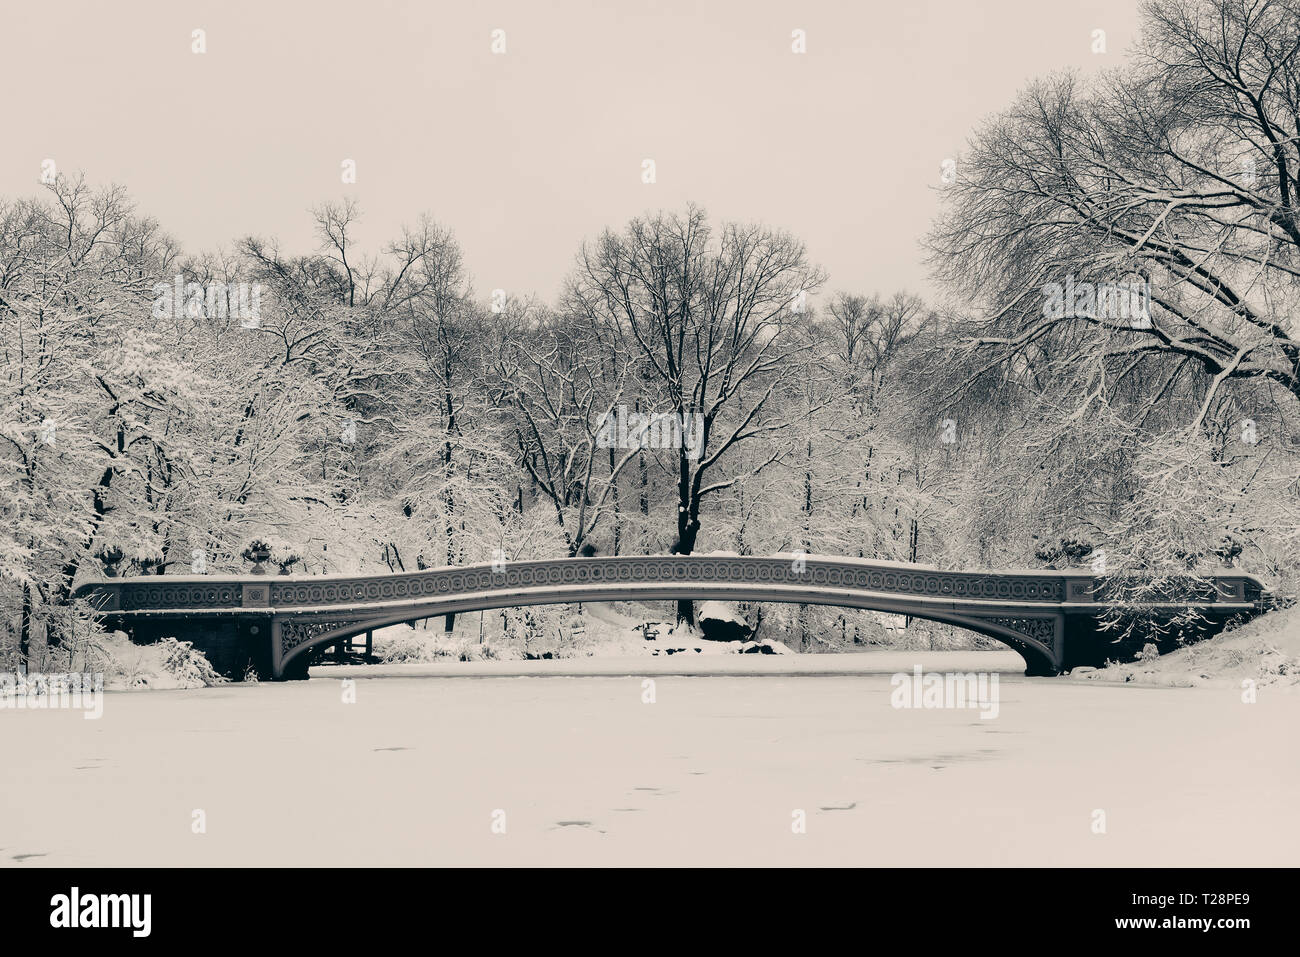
[1265, 651]
[715, 771]
[600, 630]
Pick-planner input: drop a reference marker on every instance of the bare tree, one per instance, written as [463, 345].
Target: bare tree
[706, 319]
[1179, 175]
[559, 393]
[870, 332]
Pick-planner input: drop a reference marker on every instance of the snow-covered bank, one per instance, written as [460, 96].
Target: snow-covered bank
[1265, 650]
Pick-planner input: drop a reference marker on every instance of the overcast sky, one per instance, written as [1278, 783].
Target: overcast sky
[527, 153]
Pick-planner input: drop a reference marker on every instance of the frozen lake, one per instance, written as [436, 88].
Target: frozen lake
[712, 772]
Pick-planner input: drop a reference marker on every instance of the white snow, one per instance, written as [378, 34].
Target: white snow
[161, 666]
[709, 774]
[601, 631]
[719, 611]
[1265, 650]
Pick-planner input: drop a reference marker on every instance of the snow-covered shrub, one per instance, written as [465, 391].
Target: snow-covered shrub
[472, 651]
[164, 664]
[408, 645]
[188, 666]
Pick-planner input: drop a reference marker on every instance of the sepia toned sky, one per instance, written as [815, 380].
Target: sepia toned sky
[527, 153]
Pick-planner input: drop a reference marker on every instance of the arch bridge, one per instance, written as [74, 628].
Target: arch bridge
[272, 623]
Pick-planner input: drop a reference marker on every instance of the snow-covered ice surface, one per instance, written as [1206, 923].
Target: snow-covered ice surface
[710, 773]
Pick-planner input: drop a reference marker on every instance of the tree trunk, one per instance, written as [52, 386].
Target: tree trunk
[618, 516]
[645, 483]
[688, 529]
[25, 632]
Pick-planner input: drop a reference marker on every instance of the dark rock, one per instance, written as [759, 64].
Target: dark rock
[720, 623]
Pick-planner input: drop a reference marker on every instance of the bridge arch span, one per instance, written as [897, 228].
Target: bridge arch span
[1034, 634]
